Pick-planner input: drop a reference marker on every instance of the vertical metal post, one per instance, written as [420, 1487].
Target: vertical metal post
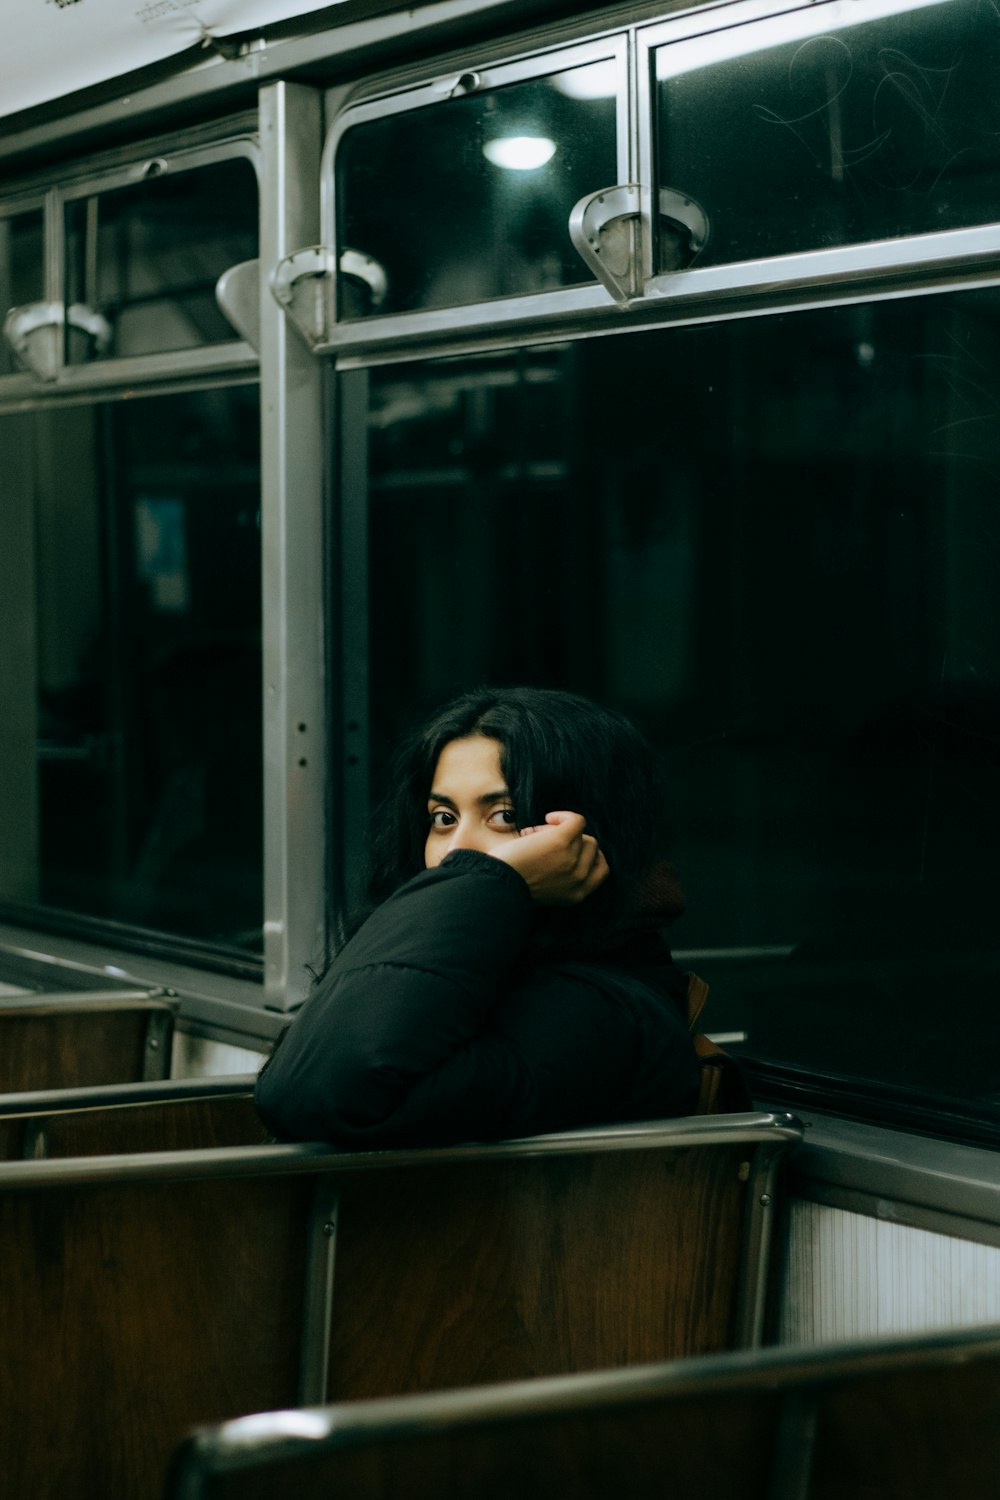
[758, 1224]
[159, 1035]
[317, 1302]
[292, 444]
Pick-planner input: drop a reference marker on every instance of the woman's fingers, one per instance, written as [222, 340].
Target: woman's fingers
[560, 862]
[597, 869]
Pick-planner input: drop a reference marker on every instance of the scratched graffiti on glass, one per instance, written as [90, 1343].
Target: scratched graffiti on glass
[844, 133]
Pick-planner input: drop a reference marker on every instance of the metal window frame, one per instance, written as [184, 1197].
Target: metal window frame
[940, 260]
[170, 161]
[612, 47]
[134, 370]
[202, 367]
[19, 383]
[784, 279]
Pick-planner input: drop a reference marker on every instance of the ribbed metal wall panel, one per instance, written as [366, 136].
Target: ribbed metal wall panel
[849, 1276]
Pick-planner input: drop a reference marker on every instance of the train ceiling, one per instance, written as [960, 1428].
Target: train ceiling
[52, 48]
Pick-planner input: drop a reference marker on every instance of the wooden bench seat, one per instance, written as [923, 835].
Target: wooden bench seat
[146, 1293]
[895, 1419]
[79, 1039]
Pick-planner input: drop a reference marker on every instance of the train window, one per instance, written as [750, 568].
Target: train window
[142, 259]
[132, 688]
[475, 184]
[829, 126]
[22, 269]
[786, 574]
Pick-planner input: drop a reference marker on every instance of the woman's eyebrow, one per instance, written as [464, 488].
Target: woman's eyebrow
[503, 795]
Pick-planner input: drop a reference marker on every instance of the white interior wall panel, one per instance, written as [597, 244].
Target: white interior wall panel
[848, 1276]
[198, 1057]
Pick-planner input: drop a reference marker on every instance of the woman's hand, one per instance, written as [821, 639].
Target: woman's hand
[561, 864]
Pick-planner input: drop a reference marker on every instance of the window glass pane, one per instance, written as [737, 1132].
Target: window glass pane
[22, 271]
[474, 193]
[848, 129]
[787, 574]
[132, 758]
[143, 260]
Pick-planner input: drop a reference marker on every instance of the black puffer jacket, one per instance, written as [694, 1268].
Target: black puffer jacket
[438, 1023]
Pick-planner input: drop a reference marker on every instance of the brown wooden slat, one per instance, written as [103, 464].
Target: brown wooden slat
[489, 1271]
[49, 1127]
[919, 1434]
[168, 1125]
[56, 1047]
[12, 1137]
[131, 1312]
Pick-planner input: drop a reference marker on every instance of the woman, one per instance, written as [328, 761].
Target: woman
[507, 976]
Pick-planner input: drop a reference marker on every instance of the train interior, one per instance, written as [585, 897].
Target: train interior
[359, 355]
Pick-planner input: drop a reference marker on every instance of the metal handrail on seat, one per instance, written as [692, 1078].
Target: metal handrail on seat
[789, 1422]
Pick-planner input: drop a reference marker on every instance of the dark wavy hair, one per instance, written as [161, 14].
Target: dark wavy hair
[557, 751]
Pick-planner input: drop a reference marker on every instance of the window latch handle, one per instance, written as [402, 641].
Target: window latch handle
[606, 227]
[35, 333]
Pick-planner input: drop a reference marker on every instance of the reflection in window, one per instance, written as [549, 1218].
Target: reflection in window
[22, 271]
[788, 575]
[141, 780]
[142, 261]
[474, 193]
[848, 129]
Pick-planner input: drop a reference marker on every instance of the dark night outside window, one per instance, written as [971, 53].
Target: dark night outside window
[146, 257]
[447, 224]
[140, 763]
[787, 575]
[853, 130]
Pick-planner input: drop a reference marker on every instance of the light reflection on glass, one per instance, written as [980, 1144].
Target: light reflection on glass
[741, 41]
[593, 81]
[520, 153]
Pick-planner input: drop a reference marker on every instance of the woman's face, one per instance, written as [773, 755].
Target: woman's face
[469, 806]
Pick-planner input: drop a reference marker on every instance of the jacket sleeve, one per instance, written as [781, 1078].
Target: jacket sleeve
[430, 1028]
[405, 1004]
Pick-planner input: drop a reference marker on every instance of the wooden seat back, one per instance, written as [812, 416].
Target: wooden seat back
[74, 1040]
[187, 1286]
[902, 1419]
[502, 1268]
[143, 1292]
[178, 1115]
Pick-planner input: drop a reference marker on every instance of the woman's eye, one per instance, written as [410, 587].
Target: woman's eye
[442, 818]
[503, 817]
